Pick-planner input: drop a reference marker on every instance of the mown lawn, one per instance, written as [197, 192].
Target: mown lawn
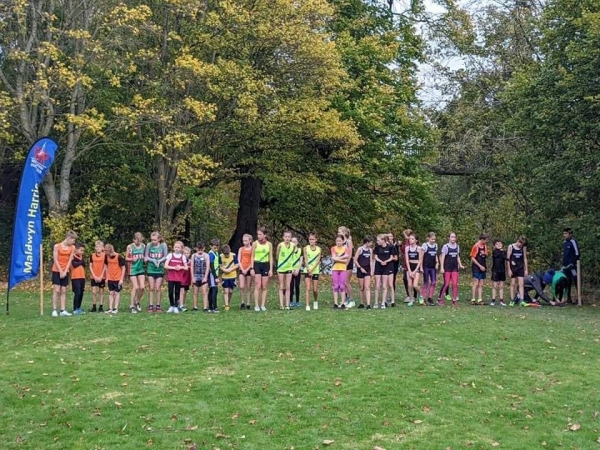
[422, 378]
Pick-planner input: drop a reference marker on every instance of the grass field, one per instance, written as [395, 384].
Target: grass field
[403, 378]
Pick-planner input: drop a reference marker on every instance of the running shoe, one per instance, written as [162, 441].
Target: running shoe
[502, 303]
[480, 302]
[361, 306]
[315, 305]
[430, 302]
[150, 308]
[410, 303]
[138, 307]
[216, 311]
[54, 313]
[287, 308]
[93, 310]
[257, 309]
[307, 307]
[205, 310]
[335, 306]
[176, 310]
[512, 303]
[492, 303]
[194, 309]
[242, 306]
[351, 304]
[132, 310]
[383, 306]
[440, 302]
[182, 309]
[65, 313]
[368, 306]
[158, 309]
[114, 311]
[393, 304]
[454, 302]
[473, 301]
[101, 308]
[226, 307]
[108, 311]
[343, 306]
[421, 301]
[262, 308]
[376, 306]
[406, 299]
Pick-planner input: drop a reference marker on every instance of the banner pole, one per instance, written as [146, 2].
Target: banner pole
[41, 279]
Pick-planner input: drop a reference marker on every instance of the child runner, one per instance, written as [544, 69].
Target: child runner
[450, 264]
[296, 266]
[498, 272]
[187, 280]
[384, 268]
[571, 255]
[115, 274]
[396, 265]
[312, 269]
[78, 278]
[350, 245]
[262, 263]
[200, 272]
[156, 254]
[62, 255]
[402, 248]
[176, 264]
[246, 272]
[213, 278]
[517, 268]
[285, 253]
[414, 259]
[430, 265]
[135, 256]
[363, 260]
[340, 253]
[229, 270]
[479, 254]
[98, 276]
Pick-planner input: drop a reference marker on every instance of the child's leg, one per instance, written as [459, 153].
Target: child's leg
[405, 280]
[281, 278]
[416, 281]
[522, 288]
[171, 290]
[385, 283]
[288, 287]
[512, 288]
[204, 288]
[315, 284]
[158, 287]
[335, 280]
[494, 289]
[391, 286]
[361, 290]
[411, 288]
[63, 298]
[117, 299]
[480, 287]
[264, 285]
[195, 295]
[348, 284]
[474, 286]
[55, 295]
[501, 289]
[377, 284]
[344, 285]
[101, 296]
[425, 286]
[454, 281]
[257, 289]
[307, 283]
[94, 295]
[367, 288]
[445, 285]
[141, 288]
[134, 289]
[242, 287]
[181, 301]
[433, 282]
[81, 288]
[151, 284]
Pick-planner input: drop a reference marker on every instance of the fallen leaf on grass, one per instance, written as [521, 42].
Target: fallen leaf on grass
[417, 421]
[575, 427]
[252, 422]
[378, 448]
[149, 442]
[426, 409]
[337, 382]
[222, 436]
[194, 428]
[495, 444]
[174, 417]
[328, 441]
[118, 404]
[235, 416]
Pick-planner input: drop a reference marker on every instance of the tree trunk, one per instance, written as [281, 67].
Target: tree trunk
[248, 207]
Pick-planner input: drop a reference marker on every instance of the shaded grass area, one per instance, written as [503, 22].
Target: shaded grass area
[423, 378]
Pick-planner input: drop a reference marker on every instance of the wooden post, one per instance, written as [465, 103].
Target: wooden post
[41, 279]
[578, 283]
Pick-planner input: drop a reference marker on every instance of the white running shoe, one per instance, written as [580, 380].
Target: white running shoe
[383, 305]
[376, 306]
[132, 310]
[108, 311]
[315, 305]
[115, 311]
[257, 309]
[138, 307]
[307, 308]
[262, 308]
[170, 310]
[350, 304]
[65, 313]
[54, 313]
[407, 300]
[175, 310]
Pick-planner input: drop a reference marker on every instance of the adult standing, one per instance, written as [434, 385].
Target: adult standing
[570, 262]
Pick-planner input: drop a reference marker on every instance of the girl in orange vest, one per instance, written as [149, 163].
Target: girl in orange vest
[62, 255]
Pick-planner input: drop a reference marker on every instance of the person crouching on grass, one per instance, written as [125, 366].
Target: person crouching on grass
[115, 274]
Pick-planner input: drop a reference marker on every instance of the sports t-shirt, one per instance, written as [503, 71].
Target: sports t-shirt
[158, 253]
[176, 260]
[97, 263]
[429, 255]
[451, 254]
[312, 262]
[63, 256]
[228, 262]
[284, 259]
[517, 261]
[114, 264]
[261, 252]
[499, 261]
[480, 254]
[199, 266]
[77, 268]
[339, 252]
[137, 256]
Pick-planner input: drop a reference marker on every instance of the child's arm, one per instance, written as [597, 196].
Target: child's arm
[473, 255]
[129, 256]
[460, 265]
[270, 259]
[192, 267]
[406, 258]
[70, 261]
[122, 265]
[277, 252]
[94, 276]
[207, 267]
[442, 258]
[239, 257]
[356, 255]
[252, 254]
[377, 257]
[168, 263]
[420, 265]
[185, 263]
[55, 257]
[165, 253]
[525, 260]
[236, 263]
[508, 255]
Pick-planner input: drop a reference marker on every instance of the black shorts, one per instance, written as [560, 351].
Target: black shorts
[498, 276]
[350, 264]
[101, 284]
[360, 274]
[155, 275]
[413, 266]
[185, 287]
[262, 268]
[388, 269]
[58, 281]
[228, 283]
[114, 286]
[518, 273]
[200, 283]
[314, 276]
[285, 272]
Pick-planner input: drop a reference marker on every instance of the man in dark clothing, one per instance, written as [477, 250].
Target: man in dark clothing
[570, 257]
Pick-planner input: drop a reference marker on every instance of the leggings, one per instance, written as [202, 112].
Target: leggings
[78, 288]
[450, 278]
[174, 292]
[339, 280]
[429, 282]
[212, 297]
[295, 288]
